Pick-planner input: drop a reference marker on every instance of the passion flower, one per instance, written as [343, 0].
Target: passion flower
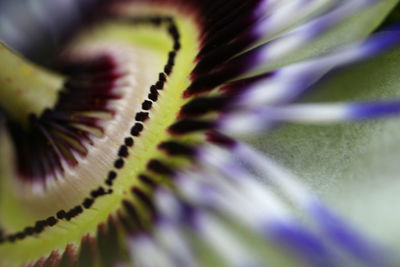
[124, 150]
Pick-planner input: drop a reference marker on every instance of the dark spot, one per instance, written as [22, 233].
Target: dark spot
[88, 202]
[153, 89]
[51, 221]
[173, 31]
[153, 97]
[159, 85]
[39, 226]
[168, 69]
[74, 212]
[129, 141]
[112, 175]
[162, 77]
[171, 56]
[20, 235]
[29, 230]
[147, 105]
[61, 214]
[136, 129]
[119, 163]
[98, 192]
[177, 45]
[123, 151]
[142, 116]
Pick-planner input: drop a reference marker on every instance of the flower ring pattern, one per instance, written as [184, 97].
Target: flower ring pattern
[139, 161]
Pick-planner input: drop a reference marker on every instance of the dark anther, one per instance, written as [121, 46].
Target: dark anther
[162, 77]
[129, 141]
[68, 216]
[171, 55]
[20, 235]
[29, 230]
[147, 105]
[153, 89]
[173, 31]
[123, 152]
[153, 97]
[177, 45]
[61, 214]
[119, 163]
[168, 69]
[136, 129]
[112, 175]
[99, 192]
[51, 221]
[74, 212]
[142, 116]
[171, 60]
[39, 226]
[159, 85]
[78, 209]
[88, 202]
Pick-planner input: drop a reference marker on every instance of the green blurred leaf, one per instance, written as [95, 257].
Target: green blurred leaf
[354, 167]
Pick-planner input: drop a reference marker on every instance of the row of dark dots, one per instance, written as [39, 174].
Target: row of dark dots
[123, 151]
[152, 97]
[131, 220]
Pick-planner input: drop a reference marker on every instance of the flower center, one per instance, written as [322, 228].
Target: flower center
[77, 141]
[102, 147]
